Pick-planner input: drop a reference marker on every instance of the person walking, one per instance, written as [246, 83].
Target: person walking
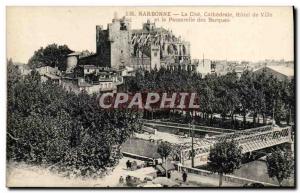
[128, 164]
[169, 174]
[121, 180]
[184, 176]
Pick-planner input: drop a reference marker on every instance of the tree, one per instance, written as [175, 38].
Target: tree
[13, 74]
[224, 158]
[279, 165]
[246, 94]
[53, 55]
[164, 149]
[79, 136]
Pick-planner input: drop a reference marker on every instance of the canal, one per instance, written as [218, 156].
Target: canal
[141, 147]
[257, 170]
[254, 170]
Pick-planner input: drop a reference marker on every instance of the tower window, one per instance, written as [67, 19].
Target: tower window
[123, 26]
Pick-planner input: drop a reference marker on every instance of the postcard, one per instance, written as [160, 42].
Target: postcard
[150, 97]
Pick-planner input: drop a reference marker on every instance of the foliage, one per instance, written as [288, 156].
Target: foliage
[227, 95]
[52, 55]
[164, 149]
[46, 124]
[224, 158]
[279, 165]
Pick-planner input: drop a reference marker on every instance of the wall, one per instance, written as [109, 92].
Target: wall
[119, 36]
[143, 63]
[71, 63]
[70, 85]
[138, 157]
[155, 56]
[103, 48]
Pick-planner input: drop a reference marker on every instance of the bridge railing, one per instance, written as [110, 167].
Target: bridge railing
[234, 135]
[265, 140]
[249, 142]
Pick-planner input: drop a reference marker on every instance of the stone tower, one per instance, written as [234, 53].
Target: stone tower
[155, 56]
[113, 44]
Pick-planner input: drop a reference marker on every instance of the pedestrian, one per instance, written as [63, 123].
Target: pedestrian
[184, 176]
[128, 179]
[121, 180]
[128, 164]
[169, 174]
[133, 165]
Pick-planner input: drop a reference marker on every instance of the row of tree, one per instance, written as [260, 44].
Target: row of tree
[46, 124]
[261, 95]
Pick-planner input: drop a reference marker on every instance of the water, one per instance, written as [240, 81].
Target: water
[169, 130]
[141, 147]
[257, 170]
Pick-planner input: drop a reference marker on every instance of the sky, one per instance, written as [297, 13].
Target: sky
[243, 38]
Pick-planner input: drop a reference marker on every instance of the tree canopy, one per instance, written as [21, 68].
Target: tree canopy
[224, 158]
[228, 95]
[280, 165]
[46, 124]
[52, 55]
[164, 149]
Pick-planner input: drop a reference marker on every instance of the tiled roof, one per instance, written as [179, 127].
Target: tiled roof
[283, 70]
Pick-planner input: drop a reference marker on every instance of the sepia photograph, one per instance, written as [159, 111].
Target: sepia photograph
[150, 97]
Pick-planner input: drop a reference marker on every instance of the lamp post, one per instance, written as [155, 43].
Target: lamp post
[192, 128]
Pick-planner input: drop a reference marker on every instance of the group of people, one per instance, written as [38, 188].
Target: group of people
[131, 165]
[128, 179]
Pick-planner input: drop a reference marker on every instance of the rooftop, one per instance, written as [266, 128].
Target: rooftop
[74, 54]
[283, 70]
[145, 31]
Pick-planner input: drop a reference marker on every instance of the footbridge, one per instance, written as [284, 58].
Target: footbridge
[250, 140]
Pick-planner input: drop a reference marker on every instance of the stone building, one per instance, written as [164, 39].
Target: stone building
[153, 47]
[113, 44]
[147, 48]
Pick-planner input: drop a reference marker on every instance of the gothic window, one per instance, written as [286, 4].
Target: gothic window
[170, 50]
[175, 49]
[183, 50]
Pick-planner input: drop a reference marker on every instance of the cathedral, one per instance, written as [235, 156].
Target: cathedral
[151, 47]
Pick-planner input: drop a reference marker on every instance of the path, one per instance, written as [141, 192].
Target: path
[194, 180]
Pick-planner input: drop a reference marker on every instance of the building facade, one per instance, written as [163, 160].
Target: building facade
[147, 48]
